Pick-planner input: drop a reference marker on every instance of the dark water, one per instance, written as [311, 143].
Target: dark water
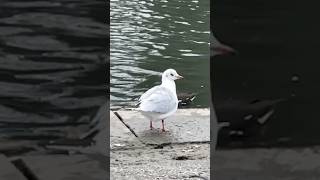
[276, 64]
[148, 37]
[53, 74]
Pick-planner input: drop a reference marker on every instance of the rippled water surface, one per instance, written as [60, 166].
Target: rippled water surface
[52, 54]
[148, 37]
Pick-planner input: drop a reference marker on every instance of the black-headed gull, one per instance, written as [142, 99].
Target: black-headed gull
[161, 101]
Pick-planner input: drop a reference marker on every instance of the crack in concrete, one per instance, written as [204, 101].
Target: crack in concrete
[200, 177]
[156, 146]
[159, 146]
[24, 169]
[120, 118]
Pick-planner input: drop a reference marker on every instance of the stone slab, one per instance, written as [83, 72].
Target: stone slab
[266, 164]
[186, 125]
[178, 161]
[64, 167]
[8, 171]
[120, 136]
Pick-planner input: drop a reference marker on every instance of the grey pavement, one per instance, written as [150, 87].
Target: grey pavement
[185, 126]
[188, 161]
[267, 164]
[62, 167]
[8, 171]
[120, 136]
[182, 152]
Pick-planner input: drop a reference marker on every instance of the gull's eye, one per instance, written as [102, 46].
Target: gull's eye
[171, 74]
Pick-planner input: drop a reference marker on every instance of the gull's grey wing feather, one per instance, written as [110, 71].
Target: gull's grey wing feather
[161, 100]
[148, 93]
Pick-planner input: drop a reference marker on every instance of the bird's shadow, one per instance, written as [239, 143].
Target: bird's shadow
[155, 136]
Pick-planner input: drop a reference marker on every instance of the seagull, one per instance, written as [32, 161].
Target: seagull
[160, 102]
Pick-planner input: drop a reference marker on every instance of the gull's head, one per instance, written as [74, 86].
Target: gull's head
[171, 74]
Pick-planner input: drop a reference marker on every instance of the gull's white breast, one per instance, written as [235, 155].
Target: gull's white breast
[158, 103]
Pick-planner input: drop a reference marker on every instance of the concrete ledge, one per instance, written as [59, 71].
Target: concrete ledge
[56, 167]
[179, 161]
[181, 153]
[266, 164]
[185, 126]
[120, 136]
[8, 171]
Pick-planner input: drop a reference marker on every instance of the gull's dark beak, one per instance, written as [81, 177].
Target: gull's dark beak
[222, 50]
[179, 77]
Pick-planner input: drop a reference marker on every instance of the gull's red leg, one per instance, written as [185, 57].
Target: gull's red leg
[151, 125]
[163, 126]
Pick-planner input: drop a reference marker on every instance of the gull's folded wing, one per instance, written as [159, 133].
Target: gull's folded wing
[160, 100]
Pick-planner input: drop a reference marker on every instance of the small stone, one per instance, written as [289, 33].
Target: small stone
[248, 117]
[295, 78]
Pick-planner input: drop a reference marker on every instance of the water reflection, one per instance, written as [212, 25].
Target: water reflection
[148, 37]
[52, 68]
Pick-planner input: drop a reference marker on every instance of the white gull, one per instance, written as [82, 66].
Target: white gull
[160, 102]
